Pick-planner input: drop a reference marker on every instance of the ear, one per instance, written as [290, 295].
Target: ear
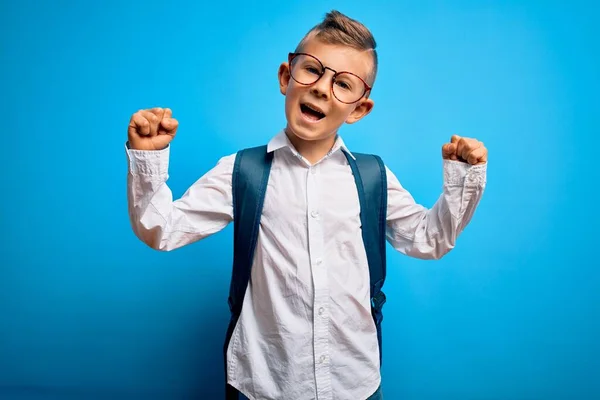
[284, 77]
[362, 108]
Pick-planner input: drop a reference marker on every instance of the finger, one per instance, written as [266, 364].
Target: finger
[466, 146]
[454, 138]
[482, 159]
[153, 120]
[448, 150]
[139, 125]
[168, 113]
[168, 126]
[473, 145]
[158, 111]
[477, 156]
[460, 147]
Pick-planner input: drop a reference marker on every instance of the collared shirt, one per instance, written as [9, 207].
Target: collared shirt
[306, 330]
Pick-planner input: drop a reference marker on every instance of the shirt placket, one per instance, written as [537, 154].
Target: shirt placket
[321, 288]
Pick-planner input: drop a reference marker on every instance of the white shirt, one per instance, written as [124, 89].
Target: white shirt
[306, 330]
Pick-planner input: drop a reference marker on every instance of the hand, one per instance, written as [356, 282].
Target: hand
[151, 129]
[467, 150]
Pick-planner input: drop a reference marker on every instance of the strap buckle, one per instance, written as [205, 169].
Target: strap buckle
[378, 301]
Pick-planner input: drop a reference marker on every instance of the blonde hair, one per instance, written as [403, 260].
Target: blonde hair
[337, 28]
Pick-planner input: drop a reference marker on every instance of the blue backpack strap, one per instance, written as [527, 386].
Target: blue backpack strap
[371, 184]
[249, 184]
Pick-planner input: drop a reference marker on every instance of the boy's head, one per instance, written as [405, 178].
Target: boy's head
[328, 78]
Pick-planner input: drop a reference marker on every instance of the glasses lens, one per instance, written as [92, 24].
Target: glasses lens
[348, 88]
[306, 69]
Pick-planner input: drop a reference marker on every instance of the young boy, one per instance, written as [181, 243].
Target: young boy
[306, 329]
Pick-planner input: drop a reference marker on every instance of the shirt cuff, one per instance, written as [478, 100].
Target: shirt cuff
[148, 162]
[458, 173]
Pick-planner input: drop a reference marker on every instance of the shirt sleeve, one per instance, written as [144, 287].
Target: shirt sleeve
[166, 224]
[424, 233]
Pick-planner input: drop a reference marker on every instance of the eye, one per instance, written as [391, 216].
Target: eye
[343, 85]
[312, 70]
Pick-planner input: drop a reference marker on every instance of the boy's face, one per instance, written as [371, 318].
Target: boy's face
[306, 124]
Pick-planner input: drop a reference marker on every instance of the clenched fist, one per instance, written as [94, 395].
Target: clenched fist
[467, 150]
[151, 129]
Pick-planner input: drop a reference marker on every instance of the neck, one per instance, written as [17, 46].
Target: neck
[312, 150]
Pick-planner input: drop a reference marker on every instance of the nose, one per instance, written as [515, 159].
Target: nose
[322, 87]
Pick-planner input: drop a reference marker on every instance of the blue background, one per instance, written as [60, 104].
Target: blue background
[88, 311]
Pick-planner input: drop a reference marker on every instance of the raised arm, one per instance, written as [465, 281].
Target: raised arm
[158, 220]
[424, 233]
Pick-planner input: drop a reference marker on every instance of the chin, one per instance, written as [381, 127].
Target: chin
[308, 133]
[309, 130]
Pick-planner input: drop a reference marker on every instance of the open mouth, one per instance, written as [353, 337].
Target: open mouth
[311, 112]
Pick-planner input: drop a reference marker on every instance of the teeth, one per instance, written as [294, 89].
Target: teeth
[314, 109]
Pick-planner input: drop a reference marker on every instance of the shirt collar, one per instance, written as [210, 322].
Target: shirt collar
[281, 140]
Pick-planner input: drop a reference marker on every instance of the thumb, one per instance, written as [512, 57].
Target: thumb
[161, 142]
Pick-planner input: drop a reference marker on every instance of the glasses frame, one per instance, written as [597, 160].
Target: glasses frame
[291, 57]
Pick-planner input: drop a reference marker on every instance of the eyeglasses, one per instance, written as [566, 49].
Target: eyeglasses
[347, 87]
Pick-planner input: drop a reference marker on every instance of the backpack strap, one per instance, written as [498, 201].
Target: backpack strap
[371, 184]
[251, 171]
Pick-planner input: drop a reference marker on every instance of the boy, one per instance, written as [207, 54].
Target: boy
[306, 330]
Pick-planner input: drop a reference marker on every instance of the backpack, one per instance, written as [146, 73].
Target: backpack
[249, 182]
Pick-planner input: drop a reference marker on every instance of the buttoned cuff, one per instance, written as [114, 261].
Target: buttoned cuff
[458, 173]
[148, 162]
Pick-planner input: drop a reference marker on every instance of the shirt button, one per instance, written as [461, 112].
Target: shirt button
[321, 311]
[313, 170]
[322, 359]
[319, 261]
[314, 213]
